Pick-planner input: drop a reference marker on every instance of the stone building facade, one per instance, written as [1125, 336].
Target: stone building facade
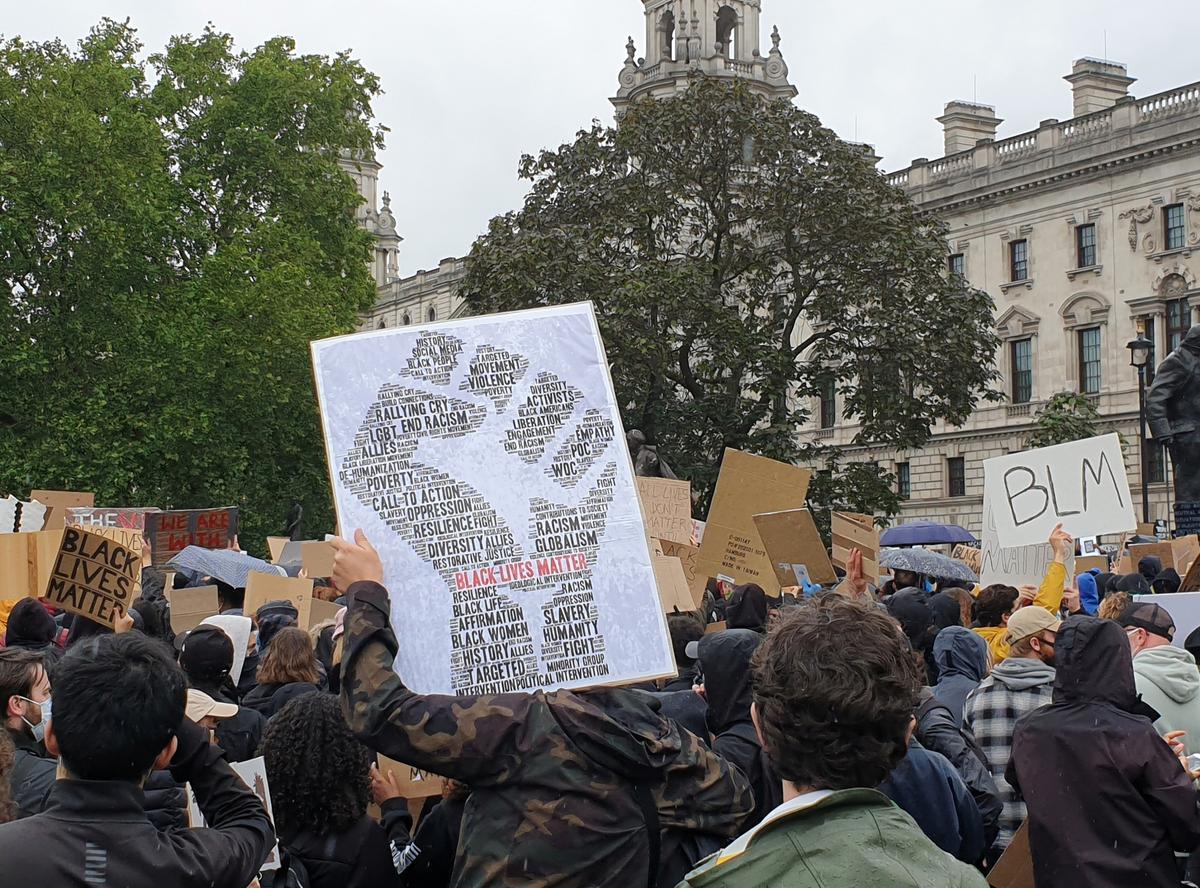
[1086, 232]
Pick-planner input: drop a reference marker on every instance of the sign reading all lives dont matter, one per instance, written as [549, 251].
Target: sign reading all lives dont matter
[486, 461]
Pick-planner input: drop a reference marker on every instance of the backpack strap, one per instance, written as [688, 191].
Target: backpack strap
[645, 799]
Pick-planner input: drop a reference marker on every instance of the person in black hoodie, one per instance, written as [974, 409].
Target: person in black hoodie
[321, 781]
[31, 628]
[725, 659]
[747, 608]
[684, 629]
[1109, 801]
[288, 670]
[206, 656]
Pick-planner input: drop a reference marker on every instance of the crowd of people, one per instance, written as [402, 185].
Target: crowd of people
[902, 735]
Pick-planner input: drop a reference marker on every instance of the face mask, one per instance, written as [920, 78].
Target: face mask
[39, 730]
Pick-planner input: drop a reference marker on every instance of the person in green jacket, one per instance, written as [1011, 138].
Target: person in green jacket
[835, 687]
[1166, 676]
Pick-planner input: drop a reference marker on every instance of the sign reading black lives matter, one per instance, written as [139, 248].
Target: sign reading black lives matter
[485, 459]
[94, 576]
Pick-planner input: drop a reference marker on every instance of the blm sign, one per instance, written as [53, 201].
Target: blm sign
[93, 576]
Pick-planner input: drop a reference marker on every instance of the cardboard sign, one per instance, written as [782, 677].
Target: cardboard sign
[1014, 869]
[275, 546]
[689, 558]
[1013, 566]
[1191, 580]
[713, 628]
[261, 588]
[26, 561]
[414, 783]
[93, 576]
[485, 459]
[320, 611]
[171, 532]
[1081, 484]
[850, 531]
[1084, 563]
[672, 585]
[791, 539]
[191, 607]
[667, 508]
[969, 555]
[747, 486]
[317, 559]
[128, 518]
[1184, 551]
[24, 517]
[57, 502]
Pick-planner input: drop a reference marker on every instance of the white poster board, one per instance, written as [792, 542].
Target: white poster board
[254, 774]
[1082, 484]
[486, 461]
[1015, 565]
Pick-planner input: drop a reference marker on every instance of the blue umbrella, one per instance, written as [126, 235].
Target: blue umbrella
[924, 533]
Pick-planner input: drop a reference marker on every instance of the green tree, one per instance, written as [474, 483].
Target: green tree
[169, 245]
[1067, 416]
[739, 255]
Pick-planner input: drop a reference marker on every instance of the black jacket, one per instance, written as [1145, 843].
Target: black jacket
[240, 735]
[927, 787]
[360, 857]
[165, 801]
[96, 833]
[725, 659]
[430, 858]
[1108, 801]
[938, 732]
[270, 698]
[33, 774]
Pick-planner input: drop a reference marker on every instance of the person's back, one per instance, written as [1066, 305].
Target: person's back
[1108, 800]
[562, 784]
[835, 687]
[962, 660]
[926, 786]
[119, 712]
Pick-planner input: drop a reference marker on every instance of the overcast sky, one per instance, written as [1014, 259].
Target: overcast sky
[470, 85]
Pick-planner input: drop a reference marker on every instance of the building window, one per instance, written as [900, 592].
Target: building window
[1156, 469]
[956, 474]
[904, 480]
[1179, 320]
[383, 325]
[1085, 246]
[1089, 361]
[431, 315]
[828, 402]
[1018, 260]
[1022, 371]
[957, 264]
[1173, 227]
[406, 320]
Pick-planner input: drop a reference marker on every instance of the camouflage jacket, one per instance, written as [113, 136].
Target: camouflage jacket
[552, 775]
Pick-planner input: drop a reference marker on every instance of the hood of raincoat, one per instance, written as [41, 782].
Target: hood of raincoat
[1093, 664]
[725, 661]
[960, 652]
[747, 608]
[1023, 673]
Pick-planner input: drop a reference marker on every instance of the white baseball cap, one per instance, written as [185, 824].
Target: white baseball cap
[200, 706]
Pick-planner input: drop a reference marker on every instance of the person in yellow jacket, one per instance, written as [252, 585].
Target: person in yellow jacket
[997, 603]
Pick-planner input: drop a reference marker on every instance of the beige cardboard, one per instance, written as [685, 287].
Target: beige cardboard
[1164, 552]
[1185, 549]
[1191, 580]
[666, 508]
[792, 538]
[275, 546]
[93, 576]
[850, 531]
[26, 560]
[263, 587]
[714, 627]
[747, 486]
[317, 559]
[190, 607]
[1014, 869]
[414, 783]
[320, 611]
[672, 585]
[689, 558]
[58, 501]
[129, 537]
[1084, 563]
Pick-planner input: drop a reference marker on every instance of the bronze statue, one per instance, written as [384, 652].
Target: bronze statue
[1173, 411]
[646, 461]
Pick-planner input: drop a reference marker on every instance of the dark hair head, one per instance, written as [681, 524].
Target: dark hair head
[290, 658]
[29, 624]
[319, 774]
[229, 598]
[151, 615]
[994, 604]
[835, 687]
[684, 628]
[18, 674]
[118, 700]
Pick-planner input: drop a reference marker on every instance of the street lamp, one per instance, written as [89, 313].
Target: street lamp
[1139, 358]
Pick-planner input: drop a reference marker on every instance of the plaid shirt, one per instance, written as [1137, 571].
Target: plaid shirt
[991, 714]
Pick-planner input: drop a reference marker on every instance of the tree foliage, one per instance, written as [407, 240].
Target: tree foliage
[739, 255]
[1067, 416]
[173, 233]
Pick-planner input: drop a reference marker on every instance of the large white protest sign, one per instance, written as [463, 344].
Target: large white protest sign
[1015, 565]
[1082, 484]
[485, 459]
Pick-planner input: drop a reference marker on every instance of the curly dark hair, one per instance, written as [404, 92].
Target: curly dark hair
[320, 776]
[835, 687]
[994, 603]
